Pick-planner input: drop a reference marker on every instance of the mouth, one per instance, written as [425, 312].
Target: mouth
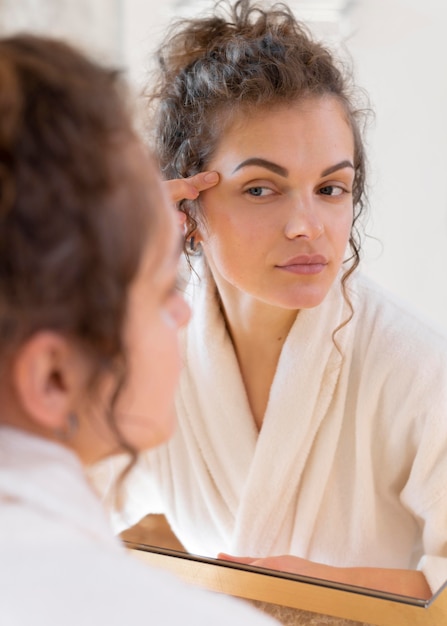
[306, 264]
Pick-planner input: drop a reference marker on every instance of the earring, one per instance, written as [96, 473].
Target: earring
[72, 426]
[192, 247]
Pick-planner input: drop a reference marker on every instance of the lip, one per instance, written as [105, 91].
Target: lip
[305, 264]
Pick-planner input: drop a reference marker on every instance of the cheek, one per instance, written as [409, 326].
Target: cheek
[142, 354]
[222, 214]
[152, 364]
[341, 231]
[146, 404]
[231, 233]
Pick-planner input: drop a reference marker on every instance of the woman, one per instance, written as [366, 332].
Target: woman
[312, 406]
[88, 263]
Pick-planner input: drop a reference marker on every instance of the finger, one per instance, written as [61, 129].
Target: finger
[180, 189]
[189, 188]
[247, 560]
[287, 563]
[204, 180]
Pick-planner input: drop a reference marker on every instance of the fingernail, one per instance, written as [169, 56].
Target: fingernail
[211, 177]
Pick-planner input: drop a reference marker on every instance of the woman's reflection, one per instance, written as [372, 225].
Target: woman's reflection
[312, 406]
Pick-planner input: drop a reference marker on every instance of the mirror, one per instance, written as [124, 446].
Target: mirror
[296, 599]
[399, 75]
[398, 50]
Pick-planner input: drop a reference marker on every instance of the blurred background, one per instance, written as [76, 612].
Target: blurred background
[398, 49]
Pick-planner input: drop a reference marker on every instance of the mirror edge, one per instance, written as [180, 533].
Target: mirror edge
[324, 600]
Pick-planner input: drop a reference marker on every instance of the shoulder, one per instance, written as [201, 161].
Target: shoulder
[383, 311]
[98, 575]
[391, 335]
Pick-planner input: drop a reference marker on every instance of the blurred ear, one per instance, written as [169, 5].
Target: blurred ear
[45, 379]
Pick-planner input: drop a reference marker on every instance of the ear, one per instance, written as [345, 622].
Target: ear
[44, 379]
[197, 230]
[197, 235]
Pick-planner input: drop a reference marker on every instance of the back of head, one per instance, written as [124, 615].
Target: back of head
[241, 57]
[68, 249]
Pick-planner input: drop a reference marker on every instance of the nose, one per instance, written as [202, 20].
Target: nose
[303, 220]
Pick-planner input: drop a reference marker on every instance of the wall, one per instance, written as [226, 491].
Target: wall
[400, 52]
[94, 25]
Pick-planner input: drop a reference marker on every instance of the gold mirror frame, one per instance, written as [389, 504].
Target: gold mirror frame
[298, 592]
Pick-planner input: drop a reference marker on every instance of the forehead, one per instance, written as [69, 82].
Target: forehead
[312, 126]
[326, 111]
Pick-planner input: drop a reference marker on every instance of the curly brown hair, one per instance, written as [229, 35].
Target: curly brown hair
[73, 218]
[240, 58]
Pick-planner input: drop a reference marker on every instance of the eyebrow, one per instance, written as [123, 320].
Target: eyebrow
[338, 166]
[282, 171]
[268, 165]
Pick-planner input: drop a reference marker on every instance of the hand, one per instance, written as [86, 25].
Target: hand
[402, 582]
[284, 563]
[190, 188]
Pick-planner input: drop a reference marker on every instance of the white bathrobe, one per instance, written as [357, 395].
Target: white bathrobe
[61, 565]
[350, 466]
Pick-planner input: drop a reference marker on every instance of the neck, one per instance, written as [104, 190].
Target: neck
[258, 331]
[250, 321]
[253, 324]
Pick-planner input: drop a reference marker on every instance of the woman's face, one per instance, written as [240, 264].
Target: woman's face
[143, 414]
[156, 311]
[144, 411]
[278, 223]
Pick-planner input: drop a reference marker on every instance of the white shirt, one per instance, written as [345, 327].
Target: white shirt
[60, 563]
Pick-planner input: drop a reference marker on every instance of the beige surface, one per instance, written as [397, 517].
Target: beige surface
[298, 617]
[153, 530]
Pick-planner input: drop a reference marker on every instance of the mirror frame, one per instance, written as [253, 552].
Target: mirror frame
[298, 592]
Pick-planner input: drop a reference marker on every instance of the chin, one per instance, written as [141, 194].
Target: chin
[155, 433]
[303, 301]
[311, 296]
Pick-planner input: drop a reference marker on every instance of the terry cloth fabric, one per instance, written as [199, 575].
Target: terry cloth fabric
[60, 563]
[349, 467]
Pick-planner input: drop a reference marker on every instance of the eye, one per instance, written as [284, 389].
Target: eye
[331, 190]
[259, 192]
